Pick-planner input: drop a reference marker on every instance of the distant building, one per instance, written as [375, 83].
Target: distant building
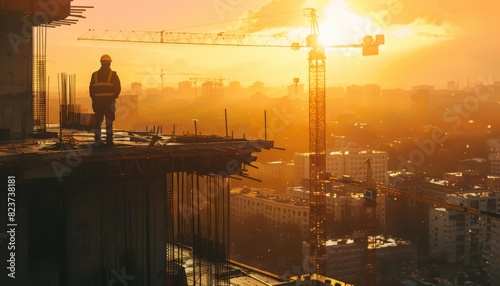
[335, 92]
[396, 259]
[472, 172]
[422, 87]
[136, 88]
[296, 91]
[340, 142]
[421, 101]
[452, 236]
[396, 98]
[256, 87]
[292, 207]
[446, 235]
[494, 159]
[235, 90]
[213, 88]
[185, 89]
[410, 217]
[342, 205]
[491, 253]
[492, 182]
[364, 95]
[346, 161]
[277, 174]
[477, 167]
[452, 85]
[278, 209]
[460, 237]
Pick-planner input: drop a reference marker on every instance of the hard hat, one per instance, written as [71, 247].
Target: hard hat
[106, 58]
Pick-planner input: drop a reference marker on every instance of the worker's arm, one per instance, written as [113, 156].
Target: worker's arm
[116, 84]
[91, 90]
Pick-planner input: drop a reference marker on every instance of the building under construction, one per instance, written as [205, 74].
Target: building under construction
[148, 214]
[152, 211]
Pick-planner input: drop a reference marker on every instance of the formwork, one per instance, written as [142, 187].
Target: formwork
[128, 215]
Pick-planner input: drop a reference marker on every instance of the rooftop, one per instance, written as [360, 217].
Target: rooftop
[269, 195]
[382, 241]
[54, 157]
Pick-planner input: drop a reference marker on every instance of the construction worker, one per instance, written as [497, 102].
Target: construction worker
[104, 89]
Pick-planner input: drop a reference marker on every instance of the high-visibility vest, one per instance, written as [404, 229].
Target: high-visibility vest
[103, 88]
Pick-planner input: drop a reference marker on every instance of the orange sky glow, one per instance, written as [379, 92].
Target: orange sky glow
[426, 41]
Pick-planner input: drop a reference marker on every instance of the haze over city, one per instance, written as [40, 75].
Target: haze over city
[194, 164]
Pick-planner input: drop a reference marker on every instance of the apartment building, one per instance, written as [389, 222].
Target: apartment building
[344, 204]
[396, 259]
[459, 237]
[346, 161]
[278, 209]
[292, 207]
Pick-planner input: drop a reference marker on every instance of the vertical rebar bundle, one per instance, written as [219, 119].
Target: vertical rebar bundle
[39, 79]
[199, 229]
[67, 98]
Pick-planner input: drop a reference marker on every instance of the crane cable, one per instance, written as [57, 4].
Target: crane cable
[236, 20]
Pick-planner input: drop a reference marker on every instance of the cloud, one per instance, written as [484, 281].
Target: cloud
[401, 12]
[277, 14]
[427, 41]
[432, 18]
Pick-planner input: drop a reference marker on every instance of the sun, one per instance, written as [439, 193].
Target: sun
[339, 24]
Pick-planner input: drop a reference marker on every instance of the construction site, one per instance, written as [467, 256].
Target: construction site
[155, 208]
[152, 210]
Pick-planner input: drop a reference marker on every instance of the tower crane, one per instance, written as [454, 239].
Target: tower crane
[372, 188]
[317, 110]
[162, 74]
[211, 84]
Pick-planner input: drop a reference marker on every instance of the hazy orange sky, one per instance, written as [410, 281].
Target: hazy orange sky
[427, 41]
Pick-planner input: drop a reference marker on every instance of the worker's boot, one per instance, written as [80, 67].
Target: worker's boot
[109, 133]
[97, 139]
[109, 140]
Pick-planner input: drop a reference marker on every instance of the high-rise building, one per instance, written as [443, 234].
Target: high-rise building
[457, 237]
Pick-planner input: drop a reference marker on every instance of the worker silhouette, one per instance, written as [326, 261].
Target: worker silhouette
[104, 89]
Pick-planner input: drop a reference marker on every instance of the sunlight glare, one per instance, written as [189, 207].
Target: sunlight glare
[338, 24]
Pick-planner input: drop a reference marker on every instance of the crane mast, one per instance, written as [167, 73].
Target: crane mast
[317, 149]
